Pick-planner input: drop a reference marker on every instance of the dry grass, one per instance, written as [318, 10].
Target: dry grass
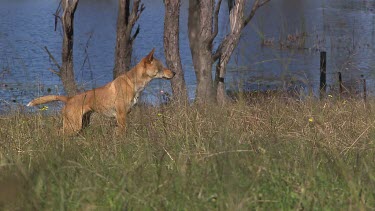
[271, 153]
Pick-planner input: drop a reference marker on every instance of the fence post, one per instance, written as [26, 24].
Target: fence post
[341, 88]
[323, 73]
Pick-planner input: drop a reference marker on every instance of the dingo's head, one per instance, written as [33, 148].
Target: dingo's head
[154, 68]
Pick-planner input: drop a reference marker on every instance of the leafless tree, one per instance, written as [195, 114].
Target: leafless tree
[66, 70]
[203, 29]
[201, 35]
[171, 48]
[126, 19]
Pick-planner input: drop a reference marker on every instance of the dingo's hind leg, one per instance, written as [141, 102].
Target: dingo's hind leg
[74, 120]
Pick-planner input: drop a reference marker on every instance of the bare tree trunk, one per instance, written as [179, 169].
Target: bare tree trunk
[126, 20]
[227, 48]
[67, 71]
[200, 24]
[220, 83]
[230, 42]
[172, 48]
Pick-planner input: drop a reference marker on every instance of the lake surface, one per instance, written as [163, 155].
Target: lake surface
[343, 28]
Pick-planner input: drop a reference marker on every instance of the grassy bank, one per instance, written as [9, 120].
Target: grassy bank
[272, 153]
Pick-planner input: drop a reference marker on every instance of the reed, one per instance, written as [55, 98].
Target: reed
[270, 153]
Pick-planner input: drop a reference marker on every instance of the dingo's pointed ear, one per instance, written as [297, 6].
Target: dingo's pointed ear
[150, 56]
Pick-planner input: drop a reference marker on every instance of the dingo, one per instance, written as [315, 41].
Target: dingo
[113, 99]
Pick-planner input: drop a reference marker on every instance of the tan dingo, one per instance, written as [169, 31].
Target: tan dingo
[113, 99]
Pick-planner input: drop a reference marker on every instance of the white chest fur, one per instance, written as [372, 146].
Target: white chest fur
[135, 99]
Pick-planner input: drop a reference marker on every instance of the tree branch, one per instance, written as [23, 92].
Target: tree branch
[57, 14]
[52, 58]
[136, 12]
[257, 4]
[57, 17]
[74, 5]
[216, 21]
[219, 49]
[217, 54]
[135, 34]
[55, 72]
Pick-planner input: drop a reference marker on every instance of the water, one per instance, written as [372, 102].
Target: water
[343, 28]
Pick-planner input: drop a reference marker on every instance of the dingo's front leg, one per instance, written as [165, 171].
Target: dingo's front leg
[121, 112]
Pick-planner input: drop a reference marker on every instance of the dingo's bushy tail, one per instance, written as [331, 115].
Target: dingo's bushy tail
[47, 99]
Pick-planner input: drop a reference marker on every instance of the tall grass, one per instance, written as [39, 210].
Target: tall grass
[266, 153]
